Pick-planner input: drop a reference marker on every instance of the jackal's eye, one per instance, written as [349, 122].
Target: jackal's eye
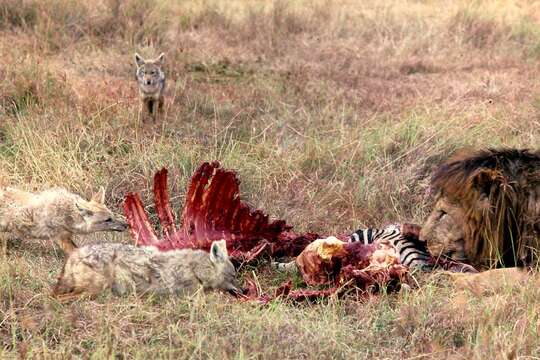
[108, 220]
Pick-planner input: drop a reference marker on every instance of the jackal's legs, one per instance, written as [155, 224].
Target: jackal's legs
[65, 241]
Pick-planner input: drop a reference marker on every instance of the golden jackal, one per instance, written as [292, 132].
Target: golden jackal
[126, 268]
[151, 79]
[54, 214]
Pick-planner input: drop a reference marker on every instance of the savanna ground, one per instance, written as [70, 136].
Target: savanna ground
[332, 112]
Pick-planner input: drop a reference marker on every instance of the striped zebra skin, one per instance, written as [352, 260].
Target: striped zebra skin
[412, 252]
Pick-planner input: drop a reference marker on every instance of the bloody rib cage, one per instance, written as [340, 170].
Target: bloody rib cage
[212, 211]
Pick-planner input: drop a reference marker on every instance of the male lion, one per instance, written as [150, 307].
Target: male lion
[487, 208]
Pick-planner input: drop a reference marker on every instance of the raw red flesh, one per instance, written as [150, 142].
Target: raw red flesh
[212, 211]
[284, 291]
[163, 205]
[139, 225]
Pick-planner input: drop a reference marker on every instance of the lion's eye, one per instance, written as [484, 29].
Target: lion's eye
[441, 213]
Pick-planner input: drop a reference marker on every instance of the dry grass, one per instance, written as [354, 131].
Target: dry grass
[333, 113]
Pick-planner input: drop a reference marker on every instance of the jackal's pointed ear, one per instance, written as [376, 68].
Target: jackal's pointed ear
[218, 251]
[161, 58]
[99, 197]
[139, 60]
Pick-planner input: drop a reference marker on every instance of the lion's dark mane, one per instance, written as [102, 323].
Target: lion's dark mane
[499, 190]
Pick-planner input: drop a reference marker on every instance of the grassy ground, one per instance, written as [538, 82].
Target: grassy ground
[332, 112]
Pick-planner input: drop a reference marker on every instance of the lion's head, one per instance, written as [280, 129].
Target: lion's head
[487, 208]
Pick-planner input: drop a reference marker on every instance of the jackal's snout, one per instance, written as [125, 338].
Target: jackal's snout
[117, 223]
[106, 221]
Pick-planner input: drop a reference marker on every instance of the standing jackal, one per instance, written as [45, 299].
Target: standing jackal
[151, 80]
[126, 268]
[55, 214]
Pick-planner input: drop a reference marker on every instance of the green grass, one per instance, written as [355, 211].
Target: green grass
[332, 113]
